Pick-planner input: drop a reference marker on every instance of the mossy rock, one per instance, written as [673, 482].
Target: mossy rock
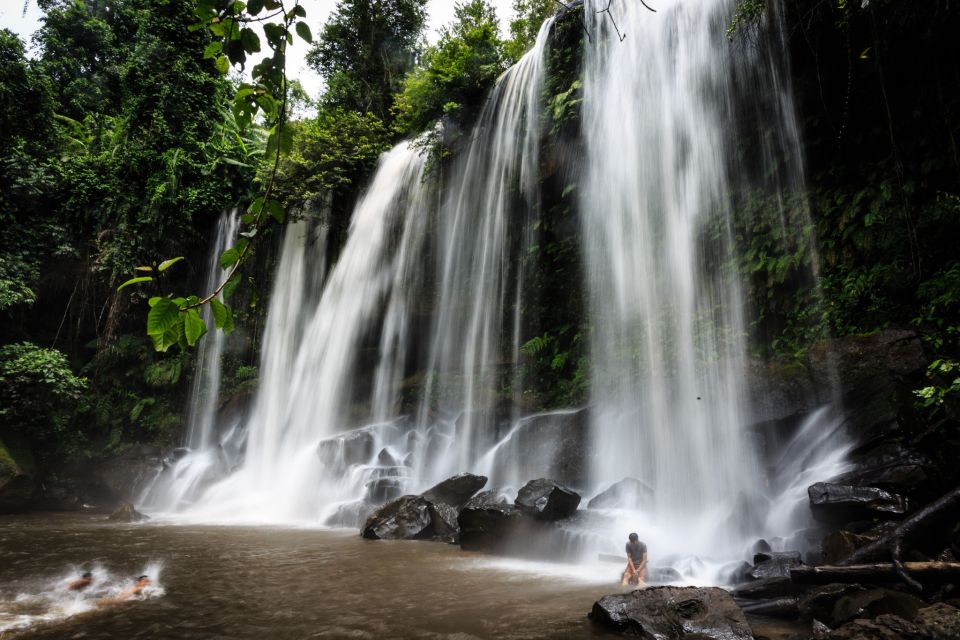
[17, 472]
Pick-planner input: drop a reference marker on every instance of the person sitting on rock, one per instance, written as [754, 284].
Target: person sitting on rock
[636, 572]
[81, 583]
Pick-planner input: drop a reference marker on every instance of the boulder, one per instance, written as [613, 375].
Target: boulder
[628, 493]
[491, 527]
[838, 502]
[767, 588]
[386, 459]
[491, 497]
[940, 621]
[735, 572]
[818, 603]
[110, 483]
[345, 450]
[870, 603]
[937, 622]
[838, 545]
[456, 491]
[555, 443]
[406, 518]
[127, 513]
[381, 490]
[890, 467]
[774, 564]
[547, 500]
[445, 526]
[490, 524]
[412, 518]
[669, 613]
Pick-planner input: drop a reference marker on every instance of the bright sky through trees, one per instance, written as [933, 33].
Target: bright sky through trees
[441, 13]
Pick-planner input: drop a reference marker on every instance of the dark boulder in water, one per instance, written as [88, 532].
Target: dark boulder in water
[665, 613]
[498, 528]
[492, 497]
[126, 513]
[890, 467]
[547, 500]
[386, 459]
[406, 518]
[412, 518]
[628, 493]
[774, 564]
[843, 503]
[456, 491]
[937, 622]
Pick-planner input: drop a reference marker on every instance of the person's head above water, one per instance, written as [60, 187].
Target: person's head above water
[87, 575]
[143, 579]
[633, 537]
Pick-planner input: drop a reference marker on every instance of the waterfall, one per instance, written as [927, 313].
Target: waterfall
[170, 489]
[486, 229]
[310, 357]
[205, 392]
[669, 330]
[401, 366]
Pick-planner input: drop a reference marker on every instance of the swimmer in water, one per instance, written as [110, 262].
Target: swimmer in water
[81, 583]
[128, 594]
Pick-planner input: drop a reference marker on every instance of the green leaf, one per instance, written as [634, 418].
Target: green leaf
[254, 7]
[222, 315]
[304, 32]
[147, 269]
[276, 210]
[250, 40]
[229, 258]
[164, 324]
[223, 65]
[213, 49]
[231, 286]
[297, 11]
[166, 264]
[134, 281]
[194, 327]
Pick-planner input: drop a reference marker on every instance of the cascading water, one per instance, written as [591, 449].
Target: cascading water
[482, 242]
[423, 311]
[170, 489]
[310, 358]
[206, 381]
[669, 334]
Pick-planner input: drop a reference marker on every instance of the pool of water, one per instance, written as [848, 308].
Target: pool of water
[262, 582]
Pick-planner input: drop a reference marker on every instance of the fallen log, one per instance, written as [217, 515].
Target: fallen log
[938, 572]
[892, 543]
[777, 607]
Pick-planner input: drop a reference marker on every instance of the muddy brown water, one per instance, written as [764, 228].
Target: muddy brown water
[235, 582]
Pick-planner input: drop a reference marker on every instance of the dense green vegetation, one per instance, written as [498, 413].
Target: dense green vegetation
[125, 134]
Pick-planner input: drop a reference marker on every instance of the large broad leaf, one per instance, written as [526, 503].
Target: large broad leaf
[193, 326]
[222, 315]
[229, 258]
[304, 31]
[134, 281]
[166, 264]
[164, 324]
